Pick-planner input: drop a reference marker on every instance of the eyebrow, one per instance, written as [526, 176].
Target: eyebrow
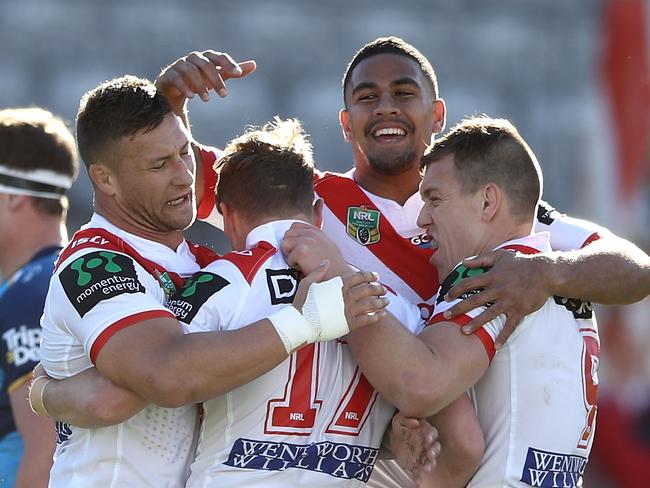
[430, 193]
[168, 155]
[407, 80]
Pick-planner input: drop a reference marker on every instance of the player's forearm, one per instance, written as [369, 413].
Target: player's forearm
[204, 365]
[460, 433]
[90, 401]
[609, 271]
[398, 365]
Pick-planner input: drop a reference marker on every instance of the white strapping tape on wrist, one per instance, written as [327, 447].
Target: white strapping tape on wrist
[36, 391]
[294, 330]
[324, 309]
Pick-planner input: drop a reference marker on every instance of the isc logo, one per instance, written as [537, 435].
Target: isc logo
[296, 416]
[94, 240]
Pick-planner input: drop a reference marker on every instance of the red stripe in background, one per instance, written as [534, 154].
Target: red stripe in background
[626, 77]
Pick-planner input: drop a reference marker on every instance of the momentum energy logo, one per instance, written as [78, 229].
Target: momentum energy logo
[198, 288]
[98, 276]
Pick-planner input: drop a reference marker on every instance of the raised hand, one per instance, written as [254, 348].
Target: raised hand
[198, 73]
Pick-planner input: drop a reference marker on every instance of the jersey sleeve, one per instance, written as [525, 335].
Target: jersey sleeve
[211, 299]
[22, 308]
[406, 312]
[567, 233]
[99, 293]
[207, 211]
[488, 333]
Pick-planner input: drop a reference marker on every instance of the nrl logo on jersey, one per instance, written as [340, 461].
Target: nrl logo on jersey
[166, 283]
[363, 225]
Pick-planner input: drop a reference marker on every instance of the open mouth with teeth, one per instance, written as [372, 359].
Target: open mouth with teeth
[179, 201]
[389, 134]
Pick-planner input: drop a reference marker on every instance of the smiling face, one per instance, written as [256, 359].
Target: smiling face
[451, 217]
[153, 178]
[391, 113]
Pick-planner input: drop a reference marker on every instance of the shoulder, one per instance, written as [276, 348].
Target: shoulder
[458, 274]
[250, 261]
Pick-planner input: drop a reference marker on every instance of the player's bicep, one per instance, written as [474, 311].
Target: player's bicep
[463, 360]
[134, 356]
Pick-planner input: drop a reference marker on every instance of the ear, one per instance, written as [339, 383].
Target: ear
[318, 213]
[344, 118]
[491, 198]
[15, 202]
[439, 116]
[102, 178]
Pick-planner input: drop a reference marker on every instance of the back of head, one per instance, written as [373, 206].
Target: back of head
[268, 172]
[391, 45]
[117, 108]
[38, 157]
[488, 150]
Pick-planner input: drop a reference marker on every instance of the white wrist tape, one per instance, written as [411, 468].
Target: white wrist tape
[324, 309]
[36, 391]
[322, 318]
[293, 328]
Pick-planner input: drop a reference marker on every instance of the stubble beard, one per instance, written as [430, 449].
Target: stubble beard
[393, 164]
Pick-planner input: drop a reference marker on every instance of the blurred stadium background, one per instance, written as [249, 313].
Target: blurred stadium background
[573, 75]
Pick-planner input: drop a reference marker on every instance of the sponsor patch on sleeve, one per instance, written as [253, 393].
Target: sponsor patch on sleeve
[283, 284]
[456, 276]
[186, 303]
[98, 276]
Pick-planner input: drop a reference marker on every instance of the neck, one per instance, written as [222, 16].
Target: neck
[239, 234]
[171, 239]
[503, 234]
[35, 234]
[398, 188]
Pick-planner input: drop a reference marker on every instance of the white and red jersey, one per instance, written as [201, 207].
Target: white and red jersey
[103, 283]
[536, 402]
[378, 234]
[313, 420]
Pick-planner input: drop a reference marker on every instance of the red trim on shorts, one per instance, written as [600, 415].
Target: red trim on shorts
[409, 262]
[123, 323]
[592, 238]
[210, 178]
[481, 333]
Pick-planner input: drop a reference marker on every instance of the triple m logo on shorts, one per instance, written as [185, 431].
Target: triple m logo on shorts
[98, 276]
